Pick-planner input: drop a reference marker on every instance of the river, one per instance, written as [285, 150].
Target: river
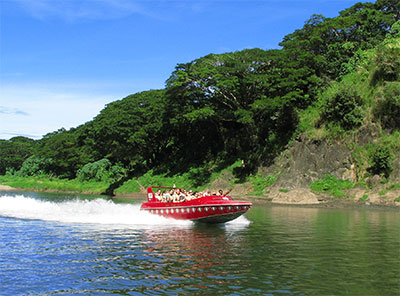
[57, 244]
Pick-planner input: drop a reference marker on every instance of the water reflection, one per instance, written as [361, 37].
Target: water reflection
[197, 253]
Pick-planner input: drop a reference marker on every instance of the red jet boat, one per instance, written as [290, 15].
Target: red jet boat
[205, 209]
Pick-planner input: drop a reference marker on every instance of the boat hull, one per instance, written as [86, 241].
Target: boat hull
[207, 209]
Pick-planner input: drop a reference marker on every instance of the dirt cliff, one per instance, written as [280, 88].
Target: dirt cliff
[307, 160]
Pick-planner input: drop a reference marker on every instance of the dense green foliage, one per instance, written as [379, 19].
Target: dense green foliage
[14, 152]
[63, 148]
[128, 131]
[232, 106]
[334, 74]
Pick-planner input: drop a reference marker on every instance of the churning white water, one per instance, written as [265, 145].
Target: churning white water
[98, 211]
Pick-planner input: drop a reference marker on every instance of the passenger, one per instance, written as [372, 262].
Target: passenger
[182, 198]
[158, 195]
[182, 195]
[171, 196]
[189, 196]
[220, 192]
[176, 195]
[165, 196]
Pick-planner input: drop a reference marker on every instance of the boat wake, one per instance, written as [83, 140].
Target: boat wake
[98, 211]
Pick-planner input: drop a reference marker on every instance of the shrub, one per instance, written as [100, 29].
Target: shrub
[387, 109]
[35, 166]
[101, 170]
[387, 64]
[343, 106]
[382, 161]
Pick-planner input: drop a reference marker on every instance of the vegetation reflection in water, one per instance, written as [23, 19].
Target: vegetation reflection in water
[329, 251]
[284, 250]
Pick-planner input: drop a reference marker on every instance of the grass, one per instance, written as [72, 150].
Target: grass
[393, 186]
[45, 183]
[130, 186]
[308, 120]
[186, 180]
[260, 183]
[332, 186]
[383, 192]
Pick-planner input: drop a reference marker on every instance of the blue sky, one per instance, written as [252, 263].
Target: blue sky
[62, 61]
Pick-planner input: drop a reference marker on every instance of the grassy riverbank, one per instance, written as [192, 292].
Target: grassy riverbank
[45, 183]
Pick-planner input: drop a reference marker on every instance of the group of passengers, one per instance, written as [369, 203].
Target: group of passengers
[181, 195]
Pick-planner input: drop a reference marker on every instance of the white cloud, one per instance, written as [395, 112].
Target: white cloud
[35, 110]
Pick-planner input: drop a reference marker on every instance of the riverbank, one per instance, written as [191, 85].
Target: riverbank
[380, 196]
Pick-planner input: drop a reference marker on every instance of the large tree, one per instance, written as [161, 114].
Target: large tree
[234, 103]
[333, 41]
[13, 152]
[127, 131]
